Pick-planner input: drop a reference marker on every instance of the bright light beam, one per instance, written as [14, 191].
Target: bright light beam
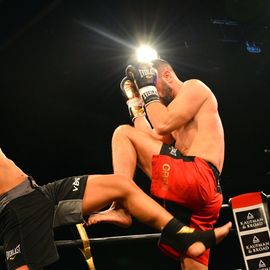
[146, 54]
[105, 34]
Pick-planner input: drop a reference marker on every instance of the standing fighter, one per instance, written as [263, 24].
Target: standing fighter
[180, 148]
[29, 212]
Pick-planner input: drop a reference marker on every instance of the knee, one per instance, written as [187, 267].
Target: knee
[124, 184]
[123, 131]
[123, 181]
[24, 267]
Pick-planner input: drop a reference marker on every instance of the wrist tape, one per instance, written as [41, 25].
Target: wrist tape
[149, 94]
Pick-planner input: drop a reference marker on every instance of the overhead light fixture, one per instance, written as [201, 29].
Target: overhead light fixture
[251, 47]
[224, 22]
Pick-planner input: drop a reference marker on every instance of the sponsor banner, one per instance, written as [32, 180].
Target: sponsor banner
[262, 263]
[251, 219]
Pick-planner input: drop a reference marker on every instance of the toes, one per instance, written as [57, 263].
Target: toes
[91, 220]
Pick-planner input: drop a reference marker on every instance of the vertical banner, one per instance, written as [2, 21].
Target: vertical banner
[251, 218]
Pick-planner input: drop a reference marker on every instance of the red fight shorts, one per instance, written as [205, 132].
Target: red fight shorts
[190, 182]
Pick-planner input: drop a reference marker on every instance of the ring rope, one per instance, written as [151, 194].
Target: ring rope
[79, 243]
[84, 245]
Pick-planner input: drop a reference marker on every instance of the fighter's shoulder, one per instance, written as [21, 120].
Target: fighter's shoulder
[196, 83]
[196, 87]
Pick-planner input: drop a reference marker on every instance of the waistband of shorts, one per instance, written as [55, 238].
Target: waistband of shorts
[215, 172]
[214, 169]
[27, 186]
[171, 151]
[217, 176]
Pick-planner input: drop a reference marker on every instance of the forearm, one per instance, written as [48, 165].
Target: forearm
[142, 124]
[159, 117]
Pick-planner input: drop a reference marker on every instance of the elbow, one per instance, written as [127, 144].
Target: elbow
[162, 129]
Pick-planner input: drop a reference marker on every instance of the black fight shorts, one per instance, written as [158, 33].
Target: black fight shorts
[27, 221]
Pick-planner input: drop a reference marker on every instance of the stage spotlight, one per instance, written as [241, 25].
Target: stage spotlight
[146, 54]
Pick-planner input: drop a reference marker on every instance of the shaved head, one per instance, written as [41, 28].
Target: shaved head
[163, 86]
[160, 65]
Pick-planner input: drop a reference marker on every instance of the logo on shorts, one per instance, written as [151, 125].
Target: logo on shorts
[165, 175]
[173, 151]
[11, 254]
[76, 183]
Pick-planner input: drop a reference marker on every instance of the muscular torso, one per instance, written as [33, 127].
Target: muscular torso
[10, 174]
[203, 135]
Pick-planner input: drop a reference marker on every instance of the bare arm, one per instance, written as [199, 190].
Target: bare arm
[181, 110]
[142, 124]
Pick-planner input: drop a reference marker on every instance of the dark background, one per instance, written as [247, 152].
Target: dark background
[61, 63]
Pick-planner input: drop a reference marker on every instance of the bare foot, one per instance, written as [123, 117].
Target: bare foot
[119, 217]
[198, 248]
[222, 232]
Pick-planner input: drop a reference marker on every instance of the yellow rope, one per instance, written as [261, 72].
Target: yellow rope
[86, 250]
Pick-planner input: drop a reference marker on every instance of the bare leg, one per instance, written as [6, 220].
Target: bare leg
[129, 148]
[102, 190]
[24, 267]
[190, 264]
[124, 156]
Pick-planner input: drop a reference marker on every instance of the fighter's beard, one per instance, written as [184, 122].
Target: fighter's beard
[166, 100]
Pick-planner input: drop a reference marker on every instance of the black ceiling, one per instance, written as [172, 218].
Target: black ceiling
[61, 63]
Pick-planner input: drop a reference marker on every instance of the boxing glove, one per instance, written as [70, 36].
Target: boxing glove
[145, 77]
[133, 100]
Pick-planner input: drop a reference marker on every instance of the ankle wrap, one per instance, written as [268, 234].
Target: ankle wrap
[179, 237]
